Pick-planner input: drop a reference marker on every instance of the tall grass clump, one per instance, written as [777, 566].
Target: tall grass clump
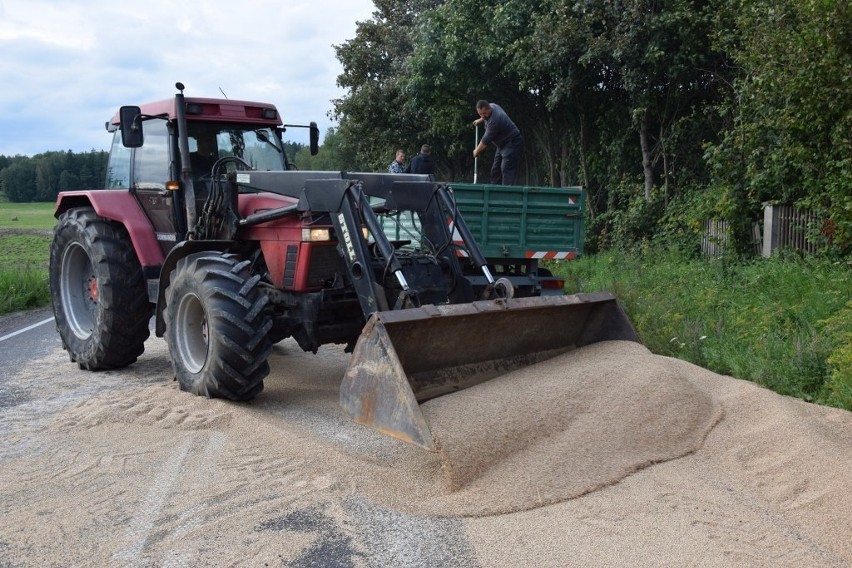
[839, 327]
[24, 272]
[23, 289]
[784, 323]
[25, 234]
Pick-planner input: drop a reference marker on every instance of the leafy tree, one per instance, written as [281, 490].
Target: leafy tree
[661, 64]
[568, 73]
[372, 117]
[19, 180]
[68, 181]
[331, 157]
[789, 137]
[43, 176]
[48, 167]
[445, 77]
[91, 168]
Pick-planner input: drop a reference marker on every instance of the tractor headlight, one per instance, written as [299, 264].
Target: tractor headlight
[312, 235]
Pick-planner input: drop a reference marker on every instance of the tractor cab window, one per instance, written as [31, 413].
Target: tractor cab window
[203, 151]
[118, 168]
[211, 143]
[151, 161]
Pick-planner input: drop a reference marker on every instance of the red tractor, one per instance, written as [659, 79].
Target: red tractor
[205, 225]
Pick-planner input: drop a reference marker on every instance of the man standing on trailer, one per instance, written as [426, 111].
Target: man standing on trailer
[500, 130]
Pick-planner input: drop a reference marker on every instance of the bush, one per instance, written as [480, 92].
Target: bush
[839, 329]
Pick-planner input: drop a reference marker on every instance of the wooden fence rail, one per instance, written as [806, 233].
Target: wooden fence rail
[716, 238]
[784, 226]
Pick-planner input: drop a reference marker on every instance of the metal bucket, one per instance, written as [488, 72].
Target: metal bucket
[405, 357]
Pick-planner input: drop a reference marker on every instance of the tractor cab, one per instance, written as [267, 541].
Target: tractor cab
[175, 153]
[146, 149]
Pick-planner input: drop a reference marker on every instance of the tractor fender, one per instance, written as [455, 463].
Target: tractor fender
[121, 206]
[179, 251]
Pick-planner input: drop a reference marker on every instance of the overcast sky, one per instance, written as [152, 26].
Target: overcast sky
[67, 65]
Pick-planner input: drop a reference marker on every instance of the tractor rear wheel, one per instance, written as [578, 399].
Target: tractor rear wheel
[216, 327]
[99, 293]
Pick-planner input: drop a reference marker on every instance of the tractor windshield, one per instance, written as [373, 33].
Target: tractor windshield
[210, 142]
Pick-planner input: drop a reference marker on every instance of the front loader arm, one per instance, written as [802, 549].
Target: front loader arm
[463, 230]
[350, 212]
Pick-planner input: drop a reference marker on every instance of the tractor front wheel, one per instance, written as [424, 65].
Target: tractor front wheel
[99, 293]
[216, 327]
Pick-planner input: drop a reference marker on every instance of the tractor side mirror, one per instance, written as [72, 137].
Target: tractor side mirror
[131, 126]
[314, 138]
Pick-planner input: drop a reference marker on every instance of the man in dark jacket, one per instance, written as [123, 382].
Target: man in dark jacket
[502, 132]
[422, 163]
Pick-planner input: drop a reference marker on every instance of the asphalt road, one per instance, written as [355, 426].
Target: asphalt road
[24, 336]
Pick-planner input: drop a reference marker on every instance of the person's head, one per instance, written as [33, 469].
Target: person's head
[206, 145]
[483, 108]
[400, 155]
[426, 149]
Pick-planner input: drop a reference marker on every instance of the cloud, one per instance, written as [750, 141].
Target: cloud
[68, 66]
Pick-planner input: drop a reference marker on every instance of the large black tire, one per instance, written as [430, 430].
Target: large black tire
[216, 327]
[99, 293]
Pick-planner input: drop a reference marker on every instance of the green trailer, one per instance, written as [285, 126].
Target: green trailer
[518, 226]
[515, 227]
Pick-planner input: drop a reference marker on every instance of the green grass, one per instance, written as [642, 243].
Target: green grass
[24, 253]
[23, 290]
[27, 215]
[783, 323]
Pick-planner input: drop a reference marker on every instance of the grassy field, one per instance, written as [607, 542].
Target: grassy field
[27, 215]
[24, 252]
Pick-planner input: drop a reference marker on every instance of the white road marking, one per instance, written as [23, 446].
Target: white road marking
[20, 331]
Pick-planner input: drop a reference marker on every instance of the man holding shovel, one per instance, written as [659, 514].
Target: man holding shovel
[500, 130]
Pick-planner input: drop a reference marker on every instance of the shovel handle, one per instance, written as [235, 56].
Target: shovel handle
[475, 158]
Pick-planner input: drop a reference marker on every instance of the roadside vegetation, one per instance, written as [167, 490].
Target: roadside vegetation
[24, 252]
[784, 322]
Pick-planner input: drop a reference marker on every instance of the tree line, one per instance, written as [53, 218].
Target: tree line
[42, 176]
[667, 111]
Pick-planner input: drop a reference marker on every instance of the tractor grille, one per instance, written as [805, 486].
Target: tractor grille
[290, 266]
[325, 263]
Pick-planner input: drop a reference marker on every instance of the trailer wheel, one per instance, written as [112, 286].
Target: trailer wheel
[99, 294]
[216, 327]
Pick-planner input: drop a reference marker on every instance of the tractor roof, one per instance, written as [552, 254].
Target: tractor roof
[224, 110]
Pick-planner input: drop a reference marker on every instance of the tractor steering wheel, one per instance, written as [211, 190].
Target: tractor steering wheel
[221, 162]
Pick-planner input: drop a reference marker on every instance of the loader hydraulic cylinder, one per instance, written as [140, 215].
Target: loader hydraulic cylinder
[464, 232]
